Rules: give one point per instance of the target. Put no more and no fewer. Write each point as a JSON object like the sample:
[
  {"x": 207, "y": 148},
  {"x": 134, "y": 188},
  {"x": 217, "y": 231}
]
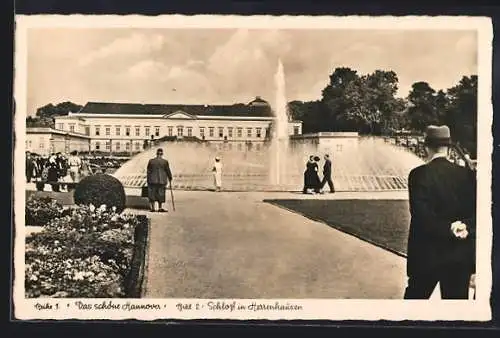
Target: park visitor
[
  {"x": 30, "y": 167},
  {"x": 441, "y": 241},
  {"x": 311, "y": 179},
  {"x": 327, "y": 174},
  {"x": 217, "y": 172},
  {"x": 75, "y": 166},
  {"x": 307, "y": 175},
  {"x": 158, "y": 176},
  {"x": 315, "y": 178}
]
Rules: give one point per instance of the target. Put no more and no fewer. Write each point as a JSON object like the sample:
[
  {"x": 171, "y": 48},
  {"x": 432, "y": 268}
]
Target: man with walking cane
[{"x": 158, "y": 176}]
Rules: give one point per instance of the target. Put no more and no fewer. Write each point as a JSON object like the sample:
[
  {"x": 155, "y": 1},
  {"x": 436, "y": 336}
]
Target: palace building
[{"x": 127, "y": 127}]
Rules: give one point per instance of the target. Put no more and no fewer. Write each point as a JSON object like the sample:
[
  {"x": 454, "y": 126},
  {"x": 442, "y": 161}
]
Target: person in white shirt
[
  {"x": 75, "y": 166},
  {"x": 217, "y": 171}
]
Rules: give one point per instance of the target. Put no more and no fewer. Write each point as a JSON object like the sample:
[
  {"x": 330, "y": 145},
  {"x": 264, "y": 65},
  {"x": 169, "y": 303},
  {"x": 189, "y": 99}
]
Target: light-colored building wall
[
  {"x": 38, "y": 143},
  {"x": 327, "y": 142},
  {"x": 45, "y": 141}
]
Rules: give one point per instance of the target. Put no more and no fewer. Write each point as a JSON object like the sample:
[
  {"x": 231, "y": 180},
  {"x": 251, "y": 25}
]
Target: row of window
[
  {"x": 72, "y": 128},
  {"x": 137, "y": 146},
  {"x": 181, "y": 131}
]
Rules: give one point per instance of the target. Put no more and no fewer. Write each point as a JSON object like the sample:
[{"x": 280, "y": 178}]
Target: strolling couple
[{"x": 312, "y": 182}]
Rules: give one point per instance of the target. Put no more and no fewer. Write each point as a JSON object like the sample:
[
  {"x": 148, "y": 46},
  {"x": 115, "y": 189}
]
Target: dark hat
[{"x": 437, "y": 136}]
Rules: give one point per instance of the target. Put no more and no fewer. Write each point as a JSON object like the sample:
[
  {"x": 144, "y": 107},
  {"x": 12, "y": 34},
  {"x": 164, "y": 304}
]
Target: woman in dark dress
[
  {"x": 53, "y": 172},
  {"x": 316, "y": 182},
  {"x": 311, "y": 178}
]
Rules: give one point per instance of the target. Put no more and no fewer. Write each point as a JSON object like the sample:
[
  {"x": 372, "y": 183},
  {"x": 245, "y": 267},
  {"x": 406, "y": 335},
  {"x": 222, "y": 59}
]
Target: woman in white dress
[{"x": 217, "y": 171}]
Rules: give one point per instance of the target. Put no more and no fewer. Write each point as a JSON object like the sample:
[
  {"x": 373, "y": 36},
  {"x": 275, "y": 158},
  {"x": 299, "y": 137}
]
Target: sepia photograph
[{"x": 227, "y": 167}]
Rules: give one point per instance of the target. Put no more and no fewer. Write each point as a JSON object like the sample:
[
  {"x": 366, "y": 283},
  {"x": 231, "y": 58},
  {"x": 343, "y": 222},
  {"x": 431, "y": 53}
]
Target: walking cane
[{"x": 172, "y": 196}]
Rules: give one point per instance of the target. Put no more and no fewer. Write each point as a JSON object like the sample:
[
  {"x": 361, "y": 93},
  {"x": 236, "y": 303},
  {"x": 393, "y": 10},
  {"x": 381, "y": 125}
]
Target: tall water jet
[{"x": 280, "y": 135}]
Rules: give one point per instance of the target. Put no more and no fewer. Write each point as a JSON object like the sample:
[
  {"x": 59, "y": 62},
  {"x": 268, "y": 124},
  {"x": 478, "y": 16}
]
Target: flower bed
[
  {"x": 41, "y": 210},
  {"x": 87, "y": 253}
]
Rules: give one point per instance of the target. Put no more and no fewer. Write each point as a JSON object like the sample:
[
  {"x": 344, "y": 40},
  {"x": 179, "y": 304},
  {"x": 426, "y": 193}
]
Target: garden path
[{"x": 233, "y": 245}]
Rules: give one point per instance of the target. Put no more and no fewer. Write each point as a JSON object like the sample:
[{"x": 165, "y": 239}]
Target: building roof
[
  {"x": 238, "y": 109},
  {"x": 71, "y": 116},
  {"x": 258, "y": 101},
  {"x": 46, "y": 130}
]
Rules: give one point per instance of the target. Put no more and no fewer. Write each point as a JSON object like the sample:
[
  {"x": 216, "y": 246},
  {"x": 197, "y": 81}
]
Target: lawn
[{"x": 384, "y": 223}]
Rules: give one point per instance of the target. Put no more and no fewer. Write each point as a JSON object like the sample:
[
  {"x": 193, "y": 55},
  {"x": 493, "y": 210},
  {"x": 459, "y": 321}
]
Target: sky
[{"x": 224, "y": 66}]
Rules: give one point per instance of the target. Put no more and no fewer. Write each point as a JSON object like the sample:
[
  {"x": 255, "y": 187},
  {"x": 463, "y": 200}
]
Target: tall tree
[
  {"x": 313, "y": 114},
  {"x": 60, "y": 109},
  {"x": 422, "y": 106},
  {"x": 334, "y": 98},
  {"x": 462, "y": 112},
  {"x": 369, "y": 103},
  {"x": 44, "y": 116}
]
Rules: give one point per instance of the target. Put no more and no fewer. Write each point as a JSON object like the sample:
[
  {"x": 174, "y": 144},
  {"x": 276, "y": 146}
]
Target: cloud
[
  {"x": 134, "y": 44},
  {"x": 147, "y": 69}
]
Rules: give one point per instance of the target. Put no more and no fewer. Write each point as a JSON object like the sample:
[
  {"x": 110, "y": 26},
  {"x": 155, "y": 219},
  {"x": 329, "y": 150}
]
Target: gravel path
[{"x": 233, "y": 245}]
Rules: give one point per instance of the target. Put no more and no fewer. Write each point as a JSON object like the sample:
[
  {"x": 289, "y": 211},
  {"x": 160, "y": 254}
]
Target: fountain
[
  {"x": 368, "y": 164},
  {"x": 279, "y": 148}
]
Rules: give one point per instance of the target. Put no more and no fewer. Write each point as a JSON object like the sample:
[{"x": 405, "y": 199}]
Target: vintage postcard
[{"x": 258, "y": 167}]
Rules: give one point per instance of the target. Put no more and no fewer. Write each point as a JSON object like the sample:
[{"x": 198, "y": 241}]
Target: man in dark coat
[
  {"x": 327, "y": 174},
  {"x": 441, "y": 242},
  {"x": 158, "y": 176},
  {"x": 30, "y": 166}
]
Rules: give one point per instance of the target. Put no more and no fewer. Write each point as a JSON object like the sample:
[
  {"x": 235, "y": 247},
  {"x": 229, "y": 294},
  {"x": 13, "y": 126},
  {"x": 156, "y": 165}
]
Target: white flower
[
  {"x": 113, "y": 208},
  {"x": 79, "y": 275},
  {"x": 126, "y": 226},
  {"x": 56, "y": 242},
  {"x": 114, "y": 218},
  {"x": 92, "y": 207},
  {"x": 102, "y": 207}
]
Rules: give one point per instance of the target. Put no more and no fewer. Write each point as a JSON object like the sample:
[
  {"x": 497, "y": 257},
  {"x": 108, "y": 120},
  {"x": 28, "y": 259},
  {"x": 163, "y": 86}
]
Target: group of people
[
  {"x": 312, "y": 182},
  {"x": 55, "y": 168}
]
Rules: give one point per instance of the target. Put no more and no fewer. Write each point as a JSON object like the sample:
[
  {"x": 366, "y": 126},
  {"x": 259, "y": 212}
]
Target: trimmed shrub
[{"x": 100, "y": 189}]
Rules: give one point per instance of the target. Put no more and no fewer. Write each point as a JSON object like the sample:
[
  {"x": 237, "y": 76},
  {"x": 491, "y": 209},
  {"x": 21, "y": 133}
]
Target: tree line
[{"x": 368, "y": 104}]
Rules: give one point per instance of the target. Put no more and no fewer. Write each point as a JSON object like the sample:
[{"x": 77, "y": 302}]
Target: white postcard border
[{"x": 325, "y": 309}]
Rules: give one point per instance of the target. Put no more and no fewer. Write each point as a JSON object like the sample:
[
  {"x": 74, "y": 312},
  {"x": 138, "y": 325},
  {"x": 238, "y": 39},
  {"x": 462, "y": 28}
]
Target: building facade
[
  {"x": 125, "y": 127},
  {"x": 44, "y": 141}
]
